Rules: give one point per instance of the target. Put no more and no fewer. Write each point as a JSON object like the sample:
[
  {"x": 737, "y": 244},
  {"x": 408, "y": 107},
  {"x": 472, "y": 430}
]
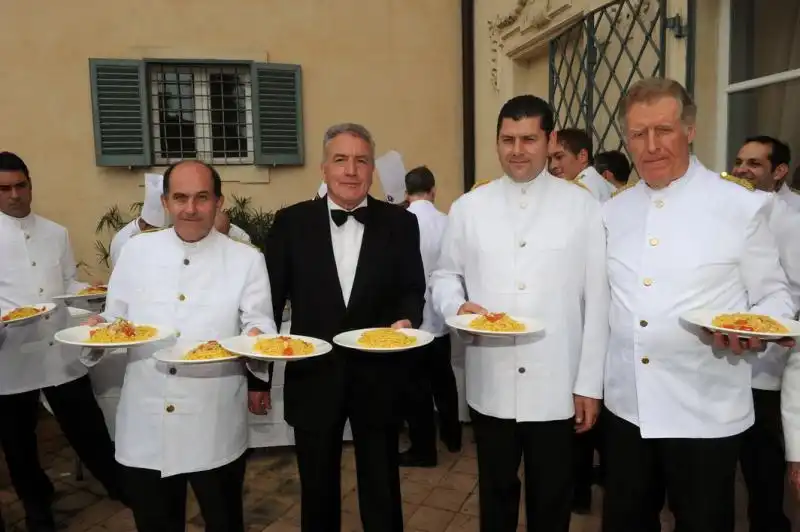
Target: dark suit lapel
[
  {"x": 321, "y": 230},
  {"x": 370, "y": 245}
]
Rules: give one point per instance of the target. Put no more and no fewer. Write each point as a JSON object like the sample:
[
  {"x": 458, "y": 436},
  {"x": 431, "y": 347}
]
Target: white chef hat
[{"x": 153, "y": 210}]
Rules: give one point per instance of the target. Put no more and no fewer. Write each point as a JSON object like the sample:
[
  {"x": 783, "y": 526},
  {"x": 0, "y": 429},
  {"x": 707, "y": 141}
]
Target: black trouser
[
  {"x": 319, "y": 461},
  {"x": 547, "y": 449},
  {"x": 764, "y": 465},
  {"x": 432, "y": 381},
  {"x": 81, "y": 420},
  {"x": 159, "y": 504},
  {"x": 585, "y": 445},
  {"x": 698, "y": 476}
]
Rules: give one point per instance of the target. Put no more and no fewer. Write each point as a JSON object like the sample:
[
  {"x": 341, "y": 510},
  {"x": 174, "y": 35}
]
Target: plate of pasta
[
  {"x": 119, "y": 333},
  {"x": 196, "y": 353},
  {"x": 383, "y": 339},
  {"x": 744, "y": 324},
  {"x": 495, "y": 324},
  {"x": 277, "y": 347},
  {"x": 90, "y": 293},
  {"x": 25, "y": 313}
]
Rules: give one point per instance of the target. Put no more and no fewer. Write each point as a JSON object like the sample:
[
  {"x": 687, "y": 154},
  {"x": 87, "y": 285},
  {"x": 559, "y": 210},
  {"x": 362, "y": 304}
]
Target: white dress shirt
[
  {"x": 181, "y": 419},
  {"x": 598, "y": 185},
  {"x": 534, "y": 250},
  {"x": 122, "y": 236},
  {"x": 789, "y": 196},
  {"x": 346, "y": 240},
  {"x": 36, "y": 264},
  {"x": 237, "y": 233},
  {"x": 700, "y": 243},
  {"x": 432, "y": 224}
]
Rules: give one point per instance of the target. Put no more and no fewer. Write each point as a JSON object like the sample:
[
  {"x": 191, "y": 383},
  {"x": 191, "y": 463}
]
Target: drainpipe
[{"x": 468, "y": 90}]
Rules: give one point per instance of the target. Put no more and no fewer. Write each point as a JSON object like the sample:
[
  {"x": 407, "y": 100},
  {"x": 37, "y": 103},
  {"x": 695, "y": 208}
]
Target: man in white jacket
[
  {"x": 532, "y": 245},
  {"x": 571, "y": 159},
  {"x": 179, "y": 424},
  {"x": 152, "y": 216}
]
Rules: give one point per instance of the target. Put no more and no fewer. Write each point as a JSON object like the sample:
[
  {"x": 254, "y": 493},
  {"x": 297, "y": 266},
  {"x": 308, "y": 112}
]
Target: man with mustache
[
  {"x": 528, "y": 244},
  {"x": 677, "y": 398},
  {"x": 36, "y": 264},
  {"x": 187, "y": 424}
]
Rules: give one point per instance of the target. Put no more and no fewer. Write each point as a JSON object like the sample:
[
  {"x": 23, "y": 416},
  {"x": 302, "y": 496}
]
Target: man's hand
[
  {"x": 259, "y": 403},
  {"x": 739, "y": 345},
  {"x": 255, "y": 331},
  {"x": 92, "y": 321},
  {"x": 586, "y": 411},
  {"x": 401, "y": 324},
  {"x": 471, "y": 308},
  {"x": 794, "y": 477}
]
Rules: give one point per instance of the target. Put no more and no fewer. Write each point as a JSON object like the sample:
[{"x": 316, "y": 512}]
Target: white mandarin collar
[
  {"x": 526, "y": 186},
  {"x": 194, "y": 248},
  {"x": 334, "y": 207},
  {"x": 677, "y": 184},
  {"x": 25, "y": 223},
  {"x": 421, "y": 206}
]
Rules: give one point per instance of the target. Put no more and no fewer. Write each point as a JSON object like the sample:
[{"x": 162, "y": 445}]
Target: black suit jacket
[{"x": 389, "y": 285}]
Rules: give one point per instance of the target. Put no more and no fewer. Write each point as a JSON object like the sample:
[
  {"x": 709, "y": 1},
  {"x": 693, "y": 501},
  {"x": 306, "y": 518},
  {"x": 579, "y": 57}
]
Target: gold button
[
  {"x": 643, "y": 323},
  {"x": 653, "y": 241},
  {"x": 523, "y": 205},
  {"x": 645, "y": 360},
  {"x": 659, "y": 204},
  {"x": 170, "y": 408},
  {"x": 648, "y": 282},
  {"x": 182, "y": 297},
  {"x": 33, "y": 263},
  {"x": 177, "y": 334},
  {"x": 521, "y": 286}
]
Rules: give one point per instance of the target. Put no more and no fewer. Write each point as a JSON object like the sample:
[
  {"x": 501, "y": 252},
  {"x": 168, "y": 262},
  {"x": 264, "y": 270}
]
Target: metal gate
[{"x": 593, "y": 63}]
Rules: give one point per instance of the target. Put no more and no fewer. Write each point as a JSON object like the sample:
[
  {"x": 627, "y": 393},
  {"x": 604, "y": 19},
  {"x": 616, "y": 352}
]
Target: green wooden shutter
[
  {"x": 120, "y": 110},
  {"x": 278, "y": 114}
]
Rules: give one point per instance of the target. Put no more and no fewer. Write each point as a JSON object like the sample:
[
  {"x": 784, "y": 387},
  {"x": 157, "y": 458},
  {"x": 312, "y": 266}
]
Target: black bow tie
[{"x": 339, "y": 217}]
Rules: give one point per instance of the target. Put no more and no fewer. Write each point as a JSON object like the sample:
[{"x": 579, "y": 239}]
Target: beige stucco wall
[
  {"x": 393, "y": 65},
  {"x": 515, "y": 60}
]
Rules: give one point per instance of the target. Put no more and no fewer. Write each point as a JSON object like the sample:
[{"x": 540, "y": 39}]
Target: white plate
[
  {"x": 79, "y": 335},
  {"x": 462, "y": 322},
  {"x": 349, "y": 340},
  {"x": 48, "y": 309},
  {"x": 174, "y": 355},
  {"x": 243, "y": 345},
  {"x": 704, "y": 317},
  {"x": 69, "y": 299}
]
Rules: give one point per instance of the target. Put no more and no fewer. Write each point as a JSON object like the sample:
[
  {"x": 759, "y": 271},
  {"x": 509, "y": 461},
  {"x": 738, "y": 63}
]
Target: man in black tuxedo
[{"x": 347, "y": 262}]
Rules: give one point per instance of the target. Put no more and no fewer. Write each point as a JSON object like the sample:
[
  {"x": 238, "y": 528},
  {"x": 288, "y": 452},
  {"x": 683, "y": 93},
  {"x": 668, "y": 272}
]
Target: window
[
  {"x": 158, "y": 112},
  {"x": 762, "y": 81}
]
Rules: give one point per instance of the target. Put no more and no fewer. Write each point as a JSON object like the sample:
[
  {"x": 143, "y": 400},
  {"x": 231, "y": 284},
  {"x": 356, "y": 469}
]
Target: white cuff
[
  {"x": 259, "y": 368},
  {"x": 90, "y": 356}
]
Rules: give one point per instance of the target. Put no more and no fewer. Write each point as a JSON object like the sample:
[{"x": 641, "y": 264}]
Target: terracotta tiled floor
[{"x": 434, "y": 500}]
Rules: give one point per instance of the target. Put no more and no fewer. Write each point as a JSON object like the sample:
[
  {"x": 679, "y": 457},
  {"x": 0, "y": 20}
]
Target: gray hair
[
  {"x": 650, "y": 89},
  {"x": 348, "y": 128}
]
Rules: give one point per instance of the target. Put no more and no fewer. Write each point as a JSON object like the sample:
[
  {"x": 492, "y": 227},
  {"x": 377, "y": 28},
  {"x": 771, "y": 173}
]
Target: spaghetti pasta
[
  {"x": 93, "y": 290},
  {"x": 121, "y": 331},
  {"x": 208, "y": 351},
  {"x": 22, "y": 312},
  {"x": 741, "y": 321},
  {"x": 496, "y": 322},
  {"x": 283, "y": 346},
  {"x": 385, "y": 338}
]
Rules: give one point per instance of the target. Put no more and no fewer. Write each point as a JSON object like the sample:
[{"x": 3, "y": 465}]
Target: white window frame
[
  {"x": 202, "y": 113},
  {"x": 725, "y": 88}
]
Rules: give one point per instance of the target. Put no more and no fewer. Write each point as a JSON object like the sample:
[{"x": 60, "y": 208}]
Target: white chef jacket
[
  {"x": 701, "y": 242},
  {"x": 122, "y": 236},
  {"x": 36, "y": 264},
  {"x": 536, "y": 250},
  {"x": 789, "y": 196},
  {"x": 181, "y": 419},
  {"x": 237, "y": 233},
  {"x": 432, "y": 224},
  {"x": 598, "y": 185},
  {"x": 784, "y": 223}
]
